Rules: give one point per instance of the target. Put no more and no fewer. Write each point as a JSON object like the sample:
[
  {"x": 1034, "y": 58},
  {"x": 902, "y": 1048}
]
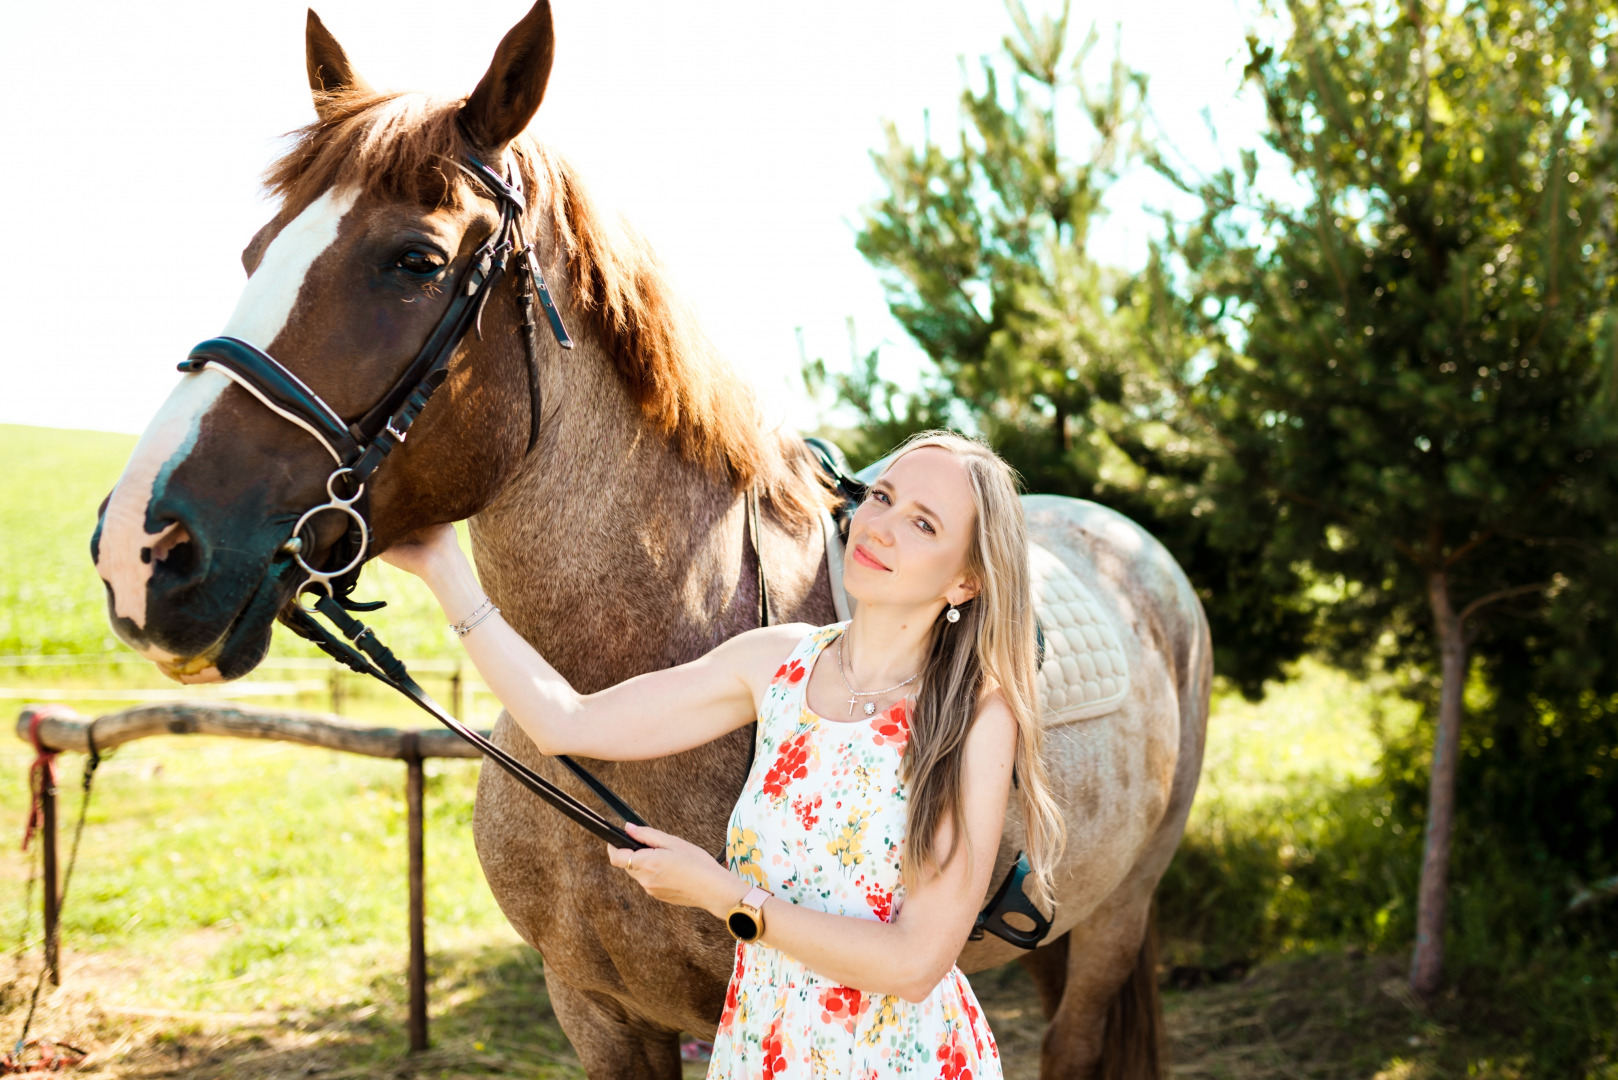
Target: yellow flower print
[
  {"x": 848, "y": 845},
  {"x": 885, "y": 1015},
  {"x": 742, "y": 853}
]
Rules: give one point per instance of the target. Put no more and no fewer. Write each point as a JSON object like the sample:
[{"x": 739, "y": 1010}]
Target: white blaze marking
[
  {"x": 168, "y": 438},
  {"x": 260, "y": 316},
  {"x": 267, "y": 301}
]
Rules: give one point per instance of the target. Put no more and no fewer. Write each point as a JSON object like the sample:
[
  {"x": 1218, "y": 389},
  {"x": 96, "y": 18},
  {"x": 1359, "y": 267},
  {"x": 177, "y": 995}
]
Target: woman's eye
[
  {"x": 421, "y": 263},
  {"x": 880, "y": 496},
  {"x": 925, "y": 525}
]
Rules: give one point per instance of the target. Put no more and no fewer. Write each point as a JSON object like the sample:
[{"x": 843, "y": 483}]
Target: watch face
[{"x": 742, "y": 925}]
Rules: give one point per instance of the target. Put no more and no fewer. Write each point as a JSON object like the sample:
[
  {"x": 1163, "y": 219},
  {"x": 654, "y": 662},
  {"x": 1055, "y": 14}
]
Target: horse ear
[
  {"x": 329, "y": 70},
  {"x": 508, "y": 95}
]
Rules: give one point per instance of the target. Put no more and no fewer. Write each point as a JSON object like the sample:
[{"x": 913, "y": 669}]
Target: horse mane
[{"x": 402, "y": 147}]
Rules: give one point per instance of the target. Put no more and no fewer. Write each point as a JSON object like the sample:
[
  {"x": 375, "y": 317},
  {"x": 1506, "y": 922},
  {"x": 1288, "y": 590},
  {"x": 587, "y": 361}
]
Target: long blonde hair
[{"x": 993, "y": 645}]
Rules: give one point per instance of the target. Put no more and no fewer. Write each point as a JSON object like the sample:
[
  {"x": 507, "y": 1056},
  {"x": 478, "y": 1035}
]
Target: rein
[{"x": 359, "y": 448}]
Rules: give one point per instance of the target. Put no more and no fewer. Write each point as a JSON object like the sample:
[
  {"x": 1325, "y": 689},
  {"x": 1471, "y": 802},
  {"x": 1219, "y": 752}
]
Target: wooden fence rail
[
  {"x": 335, "y": 682},
  {"x": 62, "y": 729}
]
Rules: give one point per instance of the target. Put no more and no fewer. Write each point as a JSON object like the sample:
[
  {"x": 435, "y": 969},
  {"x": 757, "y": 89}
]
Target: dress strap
[{"x": 785, "y": 698}]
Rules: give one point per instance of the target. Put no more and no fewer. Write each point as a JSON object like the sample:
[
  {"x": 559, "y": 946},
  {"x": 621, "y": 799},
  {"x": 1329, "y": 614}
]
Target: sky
[{"x": 736, "y": 136}]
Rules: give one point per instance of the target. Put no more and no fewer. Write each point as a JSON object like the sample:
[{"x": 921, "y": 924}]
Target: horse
[{"x": 608, "y": 509}]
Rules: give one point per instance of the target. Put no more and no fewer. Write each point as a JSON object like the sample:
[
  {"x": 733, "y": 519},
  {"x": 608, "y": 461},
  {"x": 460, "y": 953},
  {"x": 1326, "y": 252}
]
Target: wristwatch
[{"x": 746, "y": 919}]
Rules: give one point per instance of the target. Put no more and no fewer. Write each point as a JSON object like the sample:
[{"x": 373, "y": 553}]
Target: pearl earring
[{"x": 952, "y": 614}]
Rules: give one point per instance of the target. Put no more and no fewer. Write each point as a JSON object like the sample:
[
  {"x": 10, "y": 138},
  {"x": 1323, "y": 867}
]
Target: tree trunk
[{"x": 1427, "y": 964}]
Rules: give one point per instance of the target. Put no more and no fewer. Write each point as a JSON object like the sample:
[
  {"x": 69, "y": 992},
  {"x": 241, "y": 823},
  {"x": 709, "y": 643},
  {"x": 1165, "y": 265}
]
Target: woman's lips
[{"x": 865, "y": 558}]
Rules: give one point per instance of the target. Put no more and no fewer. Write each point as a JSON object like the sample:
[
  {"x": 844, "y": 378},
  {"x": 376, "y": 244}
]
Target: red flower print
[
  {"x": 893, "y": 727},
  {"x": 775, "y": 1060},
  {"x": 808, "y": 812},
  {"x": 881, "y": 901},
  {"x": 792, "y": 763},
  {"x": 971, "y": 1011},
  {"x": 841, "y": 1005},
  {"x": 731, "y": 992},
  {"x": 790, "y": 673},
  {"x": 953, "y": 1056}
]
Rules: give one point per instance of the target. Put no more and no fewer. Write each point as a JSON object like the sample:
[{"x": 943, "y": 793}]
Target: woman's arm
[
  {"x": 906, "y": 957},
  {"x": 651, "y": 715}
]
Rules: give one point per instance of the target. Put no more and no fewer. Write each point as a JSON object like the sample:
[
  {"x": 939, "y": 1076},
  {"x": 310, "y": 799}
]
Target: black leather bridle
[{"x": 358, "y": 448}]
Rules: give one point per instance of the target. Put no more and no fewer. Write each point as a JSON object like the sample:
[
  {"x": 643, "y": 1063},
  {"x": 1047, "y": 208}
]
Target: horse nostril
[{"x": 174, "y": 552}]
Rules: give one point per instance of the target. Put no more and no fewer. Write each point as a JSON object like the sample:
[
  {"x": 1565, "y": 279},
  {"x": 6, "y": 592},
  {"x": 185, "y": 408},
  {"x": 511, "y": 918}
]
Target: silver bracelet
[{"x": 479, "y": 613}]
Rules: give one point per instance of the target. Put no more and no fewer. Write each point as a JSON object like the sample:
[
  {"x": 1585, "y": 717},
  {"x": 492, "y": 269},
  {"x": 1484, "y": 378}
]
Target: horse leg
[
  {"x": 612, "y": 1044},
  {"x": 1047, "y": 966},
  {"x": 1108, "y": 1022}
]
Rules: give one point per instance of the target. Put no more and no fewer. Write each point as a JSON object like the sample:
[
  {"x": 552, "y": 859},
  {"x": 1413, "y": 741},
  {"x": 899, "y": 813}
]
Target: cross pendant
[{"x": 851, "y": 703}]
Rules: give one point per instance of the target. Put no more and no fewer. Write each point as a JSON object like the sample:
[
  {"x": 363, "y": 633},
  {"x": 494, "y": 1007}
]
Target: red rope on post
[{"x": 41, "y": 776}]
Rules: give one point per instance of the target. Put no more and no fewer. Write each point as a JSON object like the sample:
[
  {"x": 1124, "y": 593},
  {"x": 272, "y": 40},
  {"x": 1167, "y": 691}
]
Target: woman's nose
[{"x": 880, "y": 529}]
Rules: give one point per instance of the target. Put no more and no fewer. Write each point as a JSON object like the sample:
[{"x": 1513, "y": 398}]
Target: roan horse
[{"x": 616, "y": 546}]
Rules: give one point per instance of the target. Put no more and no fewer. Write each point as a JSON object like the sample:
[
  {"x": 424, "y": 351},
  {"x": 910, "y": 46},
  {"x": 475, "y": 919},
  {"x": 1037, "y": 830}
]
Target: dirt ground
[{"x": 1330, "y": 1017}]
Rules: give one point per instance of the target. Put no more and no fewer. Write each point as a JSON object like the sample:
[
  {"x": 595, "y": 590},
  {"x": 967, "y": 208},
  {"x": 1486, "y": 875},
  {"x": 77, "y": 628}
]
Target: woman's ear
[{"x": 963, "y": 590}]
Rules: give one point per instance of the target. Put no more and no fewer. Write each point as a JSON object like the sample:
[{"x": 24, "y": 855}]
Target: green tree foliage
[
  {"x": 1417, "y": 366},
  {"x": 983, "y": 246}
]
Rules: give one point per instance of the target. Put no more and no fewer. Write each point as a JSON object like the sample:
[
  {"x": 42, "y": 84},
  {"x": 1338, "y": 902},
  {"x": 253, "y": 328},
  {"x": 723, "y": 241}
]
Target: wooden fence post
[
  {"x": 411, "y": 751},
  {"x": 457, "y": 702},
  {"x": 47, "y": 837},
  {"x": 337, "y": 691}
]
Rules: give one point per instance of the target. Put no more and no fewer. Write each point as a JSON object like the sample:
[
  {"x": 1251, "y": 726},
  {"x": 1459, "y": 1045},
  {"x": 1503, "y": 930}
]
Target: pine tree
[
  {"x": 1419, "y": 362},
  {"x": 984, "y": 246}
]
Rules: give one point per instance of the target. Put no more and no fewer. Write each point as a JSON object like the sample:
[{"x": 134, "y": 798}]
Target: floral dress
[{"x": 821, "y": 822}]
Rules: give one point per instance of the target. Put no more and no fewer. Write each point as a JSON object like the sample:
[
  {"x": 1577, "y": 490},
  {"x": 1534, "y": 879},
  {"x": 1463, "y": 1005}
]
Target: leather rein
[{"x": 358, "y": 448}]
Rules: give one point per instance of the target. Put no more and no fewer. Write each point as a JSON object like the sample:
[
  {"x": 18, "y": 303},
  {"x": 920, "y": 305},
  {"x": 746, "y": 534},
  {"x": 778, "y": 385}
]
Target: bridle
[{"x": 358, "y": 448}]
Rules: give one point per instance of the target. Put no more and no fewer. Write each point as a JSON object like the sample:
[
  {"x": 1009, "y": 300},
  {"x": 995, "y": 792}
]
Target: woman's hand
[
  {"x": 424, "y": 552},
  {"x": 676, "y": 871}
]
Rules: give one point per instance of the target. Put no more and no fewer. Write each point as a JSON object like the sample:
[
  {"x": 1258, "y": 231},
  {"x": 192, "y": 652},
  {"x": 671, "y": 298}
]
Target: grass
[
  {"x": 239, "y": 908},
  {"x": 52, "y": 604}
]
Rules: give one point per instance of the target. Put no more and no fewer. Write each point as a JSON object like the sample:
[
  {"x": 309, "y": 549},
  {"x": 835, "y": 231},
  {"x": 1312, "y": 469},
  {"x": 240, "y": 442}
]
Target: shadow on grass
[{"x": 489, "y": 1016}]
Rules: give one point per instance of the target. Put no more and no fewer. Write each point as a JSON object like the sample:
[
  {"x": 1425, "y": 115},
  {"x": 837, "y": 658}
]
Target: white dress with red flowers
[{"x": 821, "y": 822}]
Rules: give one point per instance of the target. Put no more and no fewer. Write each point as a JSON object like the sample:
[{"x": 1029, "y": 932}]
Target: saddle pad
[{"x": 1086, "y": 673}]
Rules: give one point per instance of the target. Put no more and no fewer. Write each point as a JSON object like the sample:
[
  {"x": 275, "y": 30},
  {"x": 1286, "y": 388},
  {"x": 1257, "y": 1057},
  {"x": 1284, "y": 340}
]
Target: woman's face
[{"x": 908, "y": 542}]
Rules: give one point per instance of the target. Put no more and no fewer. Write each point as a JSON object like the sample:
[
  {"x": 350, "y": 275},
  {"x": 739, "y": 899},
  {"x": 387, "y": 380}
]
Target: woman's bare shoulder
[
  {"x": 994, "y": 718},
  {"x": 763, "y": 648}
]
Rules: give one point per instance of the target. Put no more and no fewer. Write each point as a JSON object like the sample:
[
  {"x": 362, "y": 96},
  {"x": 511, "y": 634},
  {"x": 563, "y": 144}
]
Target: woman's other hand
[
  {"x": 676, "y": 871},
  {"x": 424, "y": 552}
]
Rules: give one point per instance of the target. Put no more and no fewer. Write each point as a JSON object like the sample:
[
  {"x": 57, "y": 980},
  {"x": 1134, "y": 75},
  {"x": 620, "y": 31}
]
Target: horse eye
[{"x": 425, "y": 263}]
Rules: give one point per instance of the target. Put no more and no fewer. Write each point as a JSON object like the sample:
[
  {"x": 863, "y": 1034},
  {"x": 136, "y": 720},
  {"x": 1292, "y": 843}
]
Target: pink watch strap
[{"x": 755, "y": 897}]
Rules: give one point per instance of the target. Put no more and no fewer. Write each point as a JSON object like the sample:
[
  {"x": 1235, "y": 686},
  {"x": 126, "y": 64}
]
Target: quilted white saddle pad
[{"x": 1086, "y": 673}]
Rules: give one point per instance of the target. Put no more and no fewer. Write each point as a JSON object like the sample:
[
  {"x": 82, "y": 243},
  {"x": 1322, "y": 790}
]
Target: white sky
[{"x": 735, "y": 135}]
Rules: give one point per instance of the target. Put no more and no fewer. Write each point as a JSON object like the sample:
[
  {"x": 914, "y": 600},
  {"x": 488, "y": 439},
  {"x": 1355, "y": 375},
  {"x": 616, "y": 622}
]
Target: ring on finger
[{"x": 629, "y": 861}]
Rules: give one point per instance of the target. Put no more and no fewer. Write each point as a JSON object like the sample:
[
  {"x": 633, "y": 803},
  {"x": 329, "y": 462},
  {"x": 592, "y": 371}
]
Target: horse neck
[{"x": 613, "y": 554}]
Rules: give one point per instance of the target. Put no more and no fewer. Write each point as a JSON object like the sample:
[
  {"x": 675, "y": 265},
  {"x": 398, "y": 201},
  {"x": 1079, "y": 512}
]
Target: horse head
[{"x": 374, "y": 235}]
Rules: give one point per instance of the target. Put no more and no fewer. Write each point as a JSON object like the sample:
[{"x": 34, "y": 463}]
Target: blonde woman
[{"x": 863, "y": 842}]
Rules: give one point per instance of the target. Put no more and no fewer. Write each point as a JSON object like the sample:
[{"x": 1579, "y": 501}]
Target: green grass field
[{"x": 239, "y": 908}]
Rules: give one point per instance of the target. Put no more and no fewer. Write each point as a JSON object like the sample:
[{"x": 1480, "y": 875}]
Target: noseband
[{"x": 357, "y": 448}]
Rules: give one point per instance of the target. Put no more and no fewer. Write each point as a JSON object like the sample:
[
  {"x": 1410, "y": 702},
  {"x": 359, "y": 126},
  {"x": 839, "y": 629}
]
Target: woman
[{"x": 864, "y": 839}]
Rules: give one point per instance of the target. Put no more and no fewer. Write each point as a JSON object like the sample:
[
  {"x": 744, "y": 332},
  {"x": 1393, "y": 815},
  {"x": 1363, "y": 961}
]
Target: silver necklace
[{"x": 853, "y": 694}]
